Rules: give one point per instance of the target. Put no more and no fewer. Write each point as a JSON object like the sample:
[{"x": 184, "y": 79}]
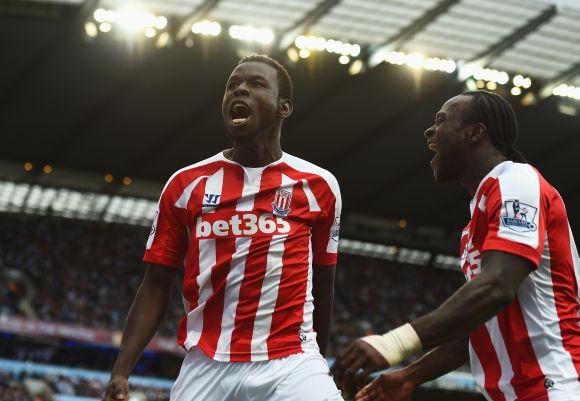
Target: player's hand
[
  {"x": 390, "y": 386},
  {"x": 117, "y": 389},
  {"x": 346, "y": 370}
]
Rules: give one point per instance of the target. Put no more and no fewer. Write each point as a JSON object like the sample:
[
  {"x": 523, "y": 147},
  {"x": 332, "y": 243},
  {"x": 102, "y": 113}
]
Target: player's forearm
[
  {"x": 323, "y": 292},
  {"x": 147, "y": 311},
  {"x": 443, "y": 359},
  {"x": 470, "y": 307}
]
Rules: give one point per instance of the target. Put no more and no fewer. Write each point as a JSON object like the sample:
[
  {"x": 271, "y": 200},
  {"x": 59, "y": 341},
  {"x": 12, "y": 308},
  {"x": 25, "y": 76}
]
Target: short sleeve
[
  {"x": 516, "y": 215},
  {"x": 326, "y": 229},
  {"x": 167, "y": 242}
]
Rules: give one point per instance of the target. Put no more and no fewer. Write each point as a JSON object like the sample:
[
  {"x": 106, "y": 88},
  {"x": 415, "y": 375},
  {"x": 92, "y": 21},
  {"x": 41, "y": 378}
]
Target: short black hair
[
  {"x": 499, "y": 118},
  {"x": 284, "y": 80}
]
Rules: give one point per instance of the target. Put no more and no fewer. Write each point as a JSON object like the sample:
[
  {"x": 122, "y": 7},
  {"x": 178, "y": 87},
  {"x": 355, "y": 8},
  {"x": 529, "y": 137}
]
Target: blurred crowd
[
  {"x": 87, "y": 272},
  {"x": 13, "y": 387}
]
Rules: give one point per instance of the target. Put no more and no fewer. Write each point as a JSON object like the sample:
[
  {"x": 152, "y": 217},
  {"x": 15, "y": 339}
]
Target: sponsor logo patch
[
  {"x": 519, "y": 216},
  {"x": 241, "y": 224}
]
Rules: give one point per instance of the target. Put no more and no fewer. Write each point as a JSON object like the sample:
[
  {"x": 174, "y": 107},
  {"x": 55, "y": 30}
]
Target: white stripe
[
  {"x": 478, "y": 373},
  {"x": 237, "y": 270},
  {"x": 482, "y": 203},
  {"x": 268, "y": 296},
  {"x": 306, "y": 328},
  {"x": 232, "y": 297},
  {"x": 312, "y": 203},
  {"x": 183, "y": 199},
  {"x": 507, "y": 372},
  {"x": 207, "y": 260},
  {"x": 213, "y": 186},
  {"x": 520, "y": 183},
  {"x": 249, "y": 191},
  {"x": 536, "y": 295}
]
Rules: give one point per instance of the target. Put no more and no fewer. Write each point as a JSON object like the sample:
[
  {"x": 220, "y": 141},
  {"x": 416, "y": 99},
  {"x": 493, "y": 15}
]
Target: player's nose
[{"x": 429, "y": 132}]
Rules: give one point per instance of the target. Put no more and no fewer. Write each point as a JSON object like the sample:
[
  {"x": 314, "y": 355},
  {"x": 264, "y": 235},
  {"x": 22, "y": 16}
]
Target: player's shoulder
[
  {"x": 310, "y": 168},
  {"x": 187, "y": 174},
  {"x": 522, "y": 176}
]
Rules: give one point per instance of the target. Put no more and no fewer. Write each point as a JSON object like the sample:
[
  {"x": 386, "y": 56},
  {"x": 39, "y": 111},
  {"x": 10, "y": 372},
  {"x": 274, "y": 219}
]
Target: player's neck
[
  {"x": 252, "y": 152},
  {"x": 479, "y": 167}
]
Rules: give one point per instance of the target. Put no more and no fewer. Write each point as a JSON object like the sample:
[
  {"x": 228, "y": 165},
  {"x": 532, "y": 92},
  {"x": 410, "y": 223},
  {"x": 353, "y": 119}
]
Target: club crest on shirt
[
  {"x": 519, "y": 216},
  {"x": 281, "y": 204}
]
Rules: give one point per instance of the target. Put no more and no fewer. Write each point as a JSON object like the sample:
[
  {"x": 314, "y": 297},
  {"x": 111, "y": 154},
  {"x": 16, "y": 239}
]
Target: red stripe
[
  {"x": 284, "y": 338},
  {"x": 528, "y": 379},
  {"x": 327, "y": 201},
  {"x": 255, "y": 271},
  {"x": 483, "y": 348},
  {"x": 225, "y": 248},
  {"x": 564, "y": 281}
]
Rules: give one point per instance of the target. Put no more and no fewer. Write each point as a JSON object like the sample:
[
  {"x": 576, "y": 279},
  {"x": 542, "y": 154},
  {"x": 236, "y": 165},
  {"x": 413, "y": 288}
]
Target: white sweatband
[{"x": 397, "y": 344}]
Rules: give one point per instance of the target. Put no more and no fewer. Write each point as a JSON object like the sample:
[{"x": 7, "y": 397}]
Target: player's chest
[
  {"x": 235, "y": 208},
  {"x": 472, "y": 239}
]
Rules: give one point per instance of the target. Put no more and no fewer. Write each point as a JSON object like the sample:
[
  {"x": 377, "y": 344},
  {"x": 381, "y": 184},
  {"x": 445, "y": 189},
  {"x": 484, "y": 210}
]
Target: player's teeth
[
  {"x": 433, "y": 147},
  {"x": 237, "y": 121}
]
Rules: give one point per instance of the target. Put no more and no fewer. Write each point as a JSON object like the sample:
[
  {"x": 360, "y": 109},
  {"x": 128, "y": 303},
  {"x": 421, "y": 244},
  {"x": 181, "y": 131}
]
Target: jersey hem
[
  {"x": 263, "y": 356},
  {"x": 162, "y": 261}
]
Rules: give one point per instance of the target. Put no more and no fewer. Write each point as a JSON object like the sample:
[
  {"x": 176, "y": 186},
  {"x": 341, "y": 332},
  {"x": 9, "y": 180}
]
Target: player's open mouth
[
  {"x": 239, "y": 112},
  {"x": 432, "y": 147}
]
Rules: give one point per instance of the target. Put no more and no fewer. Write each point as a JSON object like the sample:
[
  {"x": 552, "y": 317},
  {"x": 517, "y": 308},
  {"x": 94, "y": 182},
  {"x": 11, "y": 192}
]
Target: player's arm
[
  {"x": 323, "y": 293},
  {"x": 149, "y": 307},
  {"x": 400, "y": 384},
  {"x": 475, "y": 302},
  {"x": 471, "y": 306}
]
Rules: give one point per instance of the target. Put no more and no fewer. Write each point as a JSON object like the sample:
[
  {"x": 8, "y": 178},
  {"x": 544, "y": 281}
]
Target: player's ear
[
  {"x": 285, "y": 108},
  {"x": 476, "y": 133}
]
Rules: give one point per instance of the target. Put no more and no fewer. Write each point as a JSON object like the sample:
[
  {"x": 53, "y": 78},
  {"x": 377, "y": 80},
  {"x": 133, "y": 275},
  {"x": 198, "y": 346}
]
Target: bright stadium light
[
  {"x": 105, "y": 27},
  {"x": 356, "y": 67},
  {"x": 516, "y": 91},
  {"x": 292, "y": 54},
  {"x": 150, "y": 32},
  {"x": 252, "y": 34},
  {"x": 415, "y": 60},
  {"x": 344, "y": 59},
  {"x": 100, "y": 15},
  {"x": 91, "y": 29},
  {"x": 318, "y": 43},
  {"x": 304, "y": 53},
  {"x": 206, "y": 28},
  {"x": 160, "y": 22},
  {"x": 569, "y": 91}
]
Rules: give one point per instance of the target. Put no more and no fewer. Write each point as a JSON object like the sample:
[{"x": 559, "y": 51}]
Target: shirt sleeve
[
  {"x": 516, "y": 216},
  {"x": 326, "y": 229},
  {"x": 167, "y": 242}
]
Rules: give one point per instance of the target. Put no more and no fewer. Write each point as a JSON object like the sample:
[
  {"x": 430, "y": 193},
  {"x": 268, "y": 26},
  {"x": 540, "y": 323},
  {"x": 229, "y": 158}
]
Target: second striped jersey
[{"x": 530, "y": 351}]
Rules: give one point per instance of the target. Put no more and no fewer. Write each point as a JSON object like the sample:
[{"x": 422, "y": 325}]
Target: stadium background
[{"x": 100, "y": 101}]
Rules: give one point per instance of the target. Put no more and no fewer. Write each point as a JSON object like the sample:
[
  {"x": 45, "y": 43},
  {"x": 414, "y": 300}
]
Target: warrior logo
[{"x": 281, "y": 204}]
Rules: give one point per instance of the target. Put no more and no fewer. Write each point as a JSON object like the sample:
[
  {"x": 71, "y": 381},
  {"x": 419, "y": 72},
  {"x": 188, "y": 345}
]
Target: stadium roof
[{"x": 79, "y": 96}]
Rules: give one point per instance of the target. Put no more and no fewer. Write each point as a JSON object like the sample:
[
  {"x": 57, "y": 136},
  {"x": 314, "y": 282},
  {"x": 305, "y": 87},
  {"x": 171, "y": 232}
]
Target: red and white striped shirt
[
  {"x": 249, "y": 238},
  {"x": 530, "y": 351}
]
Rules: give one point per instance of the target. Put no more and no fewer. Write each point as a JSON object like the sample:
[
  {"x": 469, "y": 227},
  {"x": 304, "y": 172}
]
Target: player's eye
[
  {"x": 258, "y": 84},
  {"x": 231, "y": 85}
]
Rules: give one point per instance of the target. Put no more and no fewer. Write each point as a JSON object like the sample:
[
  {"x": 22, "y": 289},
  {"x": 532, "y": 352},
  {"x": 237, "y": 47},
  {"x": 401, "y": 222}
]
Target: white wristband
[{"x": 397, "y": 344}]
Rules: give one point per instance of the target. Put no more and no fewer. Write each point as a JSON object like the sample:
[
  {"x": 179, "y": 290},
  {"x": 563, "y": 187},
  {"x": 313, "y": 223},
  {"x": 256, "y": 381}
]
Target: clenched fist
[
  {"x": 117, "y": 389},
  {"x": 358, "y": 355}
]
